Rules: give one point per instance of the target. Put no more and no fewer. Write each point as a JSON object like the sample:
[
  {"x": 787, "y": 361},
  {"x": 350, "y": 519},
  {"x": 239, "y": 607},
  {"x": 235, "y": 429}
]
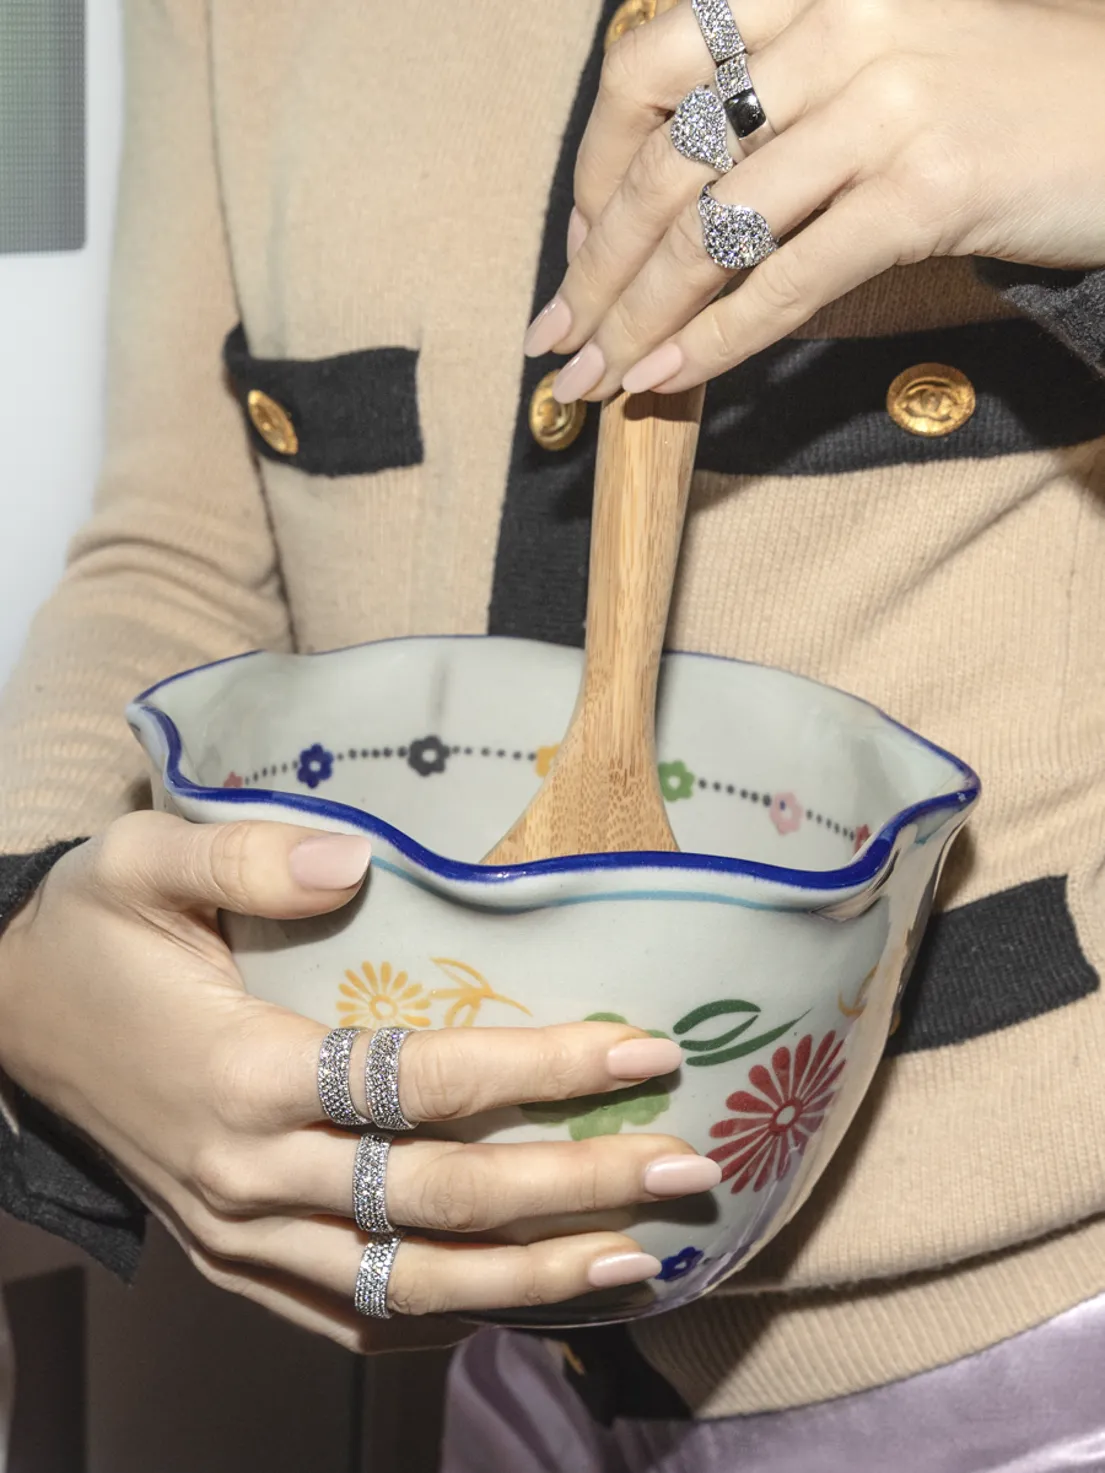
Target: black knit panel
[{"x": 996, "y": 962}]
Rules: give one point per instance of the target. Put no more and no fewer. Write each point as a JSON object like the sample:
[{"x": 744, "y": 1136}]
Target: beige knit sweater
[{"x": 336, "y": 179}]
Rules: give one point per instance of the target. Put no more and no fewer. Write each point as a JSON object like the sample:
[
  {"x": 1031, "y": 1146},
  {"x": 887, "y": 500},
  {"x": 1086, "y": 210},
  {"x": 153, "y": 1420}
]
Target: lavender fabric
[{"x": 1034, "y": 1404}]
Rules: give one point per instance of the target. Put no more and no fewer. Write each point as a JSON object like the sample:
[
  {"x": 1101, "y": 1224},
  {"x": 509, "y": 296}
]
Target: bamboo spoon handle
[{"x": 602, "y": 793}]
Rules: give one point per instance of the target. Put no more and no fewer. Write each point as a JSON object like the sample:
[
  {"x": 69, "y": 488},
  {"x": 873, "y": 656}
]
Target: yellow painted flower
[
  {"x": 544, "y": 760},
  {"x": 384, "y": 1000},
  {"x": 469, "y": 995}
]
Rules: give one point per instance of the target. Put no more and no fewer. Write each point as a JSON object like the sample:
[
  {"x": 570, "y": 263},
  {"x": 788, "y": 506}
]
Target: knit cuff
[
  {"x": 1070, "y": 304},
  {"x": 49, "y": 1175}
]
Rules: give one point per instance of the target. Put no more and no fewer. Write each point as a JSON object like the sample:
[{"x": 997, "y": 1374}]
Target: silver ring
[
  {"x": 738, "y": 97},
  {"x": 698, "y": 130},
  {"x": 370, "y": 1179},
  {"x": 381, "y": 1079},
  {"x": 370, "y": 1294},
  {"x": 735, "y": 236},
  {"x": 719, "y": 29},
  {"x": 333, "y": 1078}
]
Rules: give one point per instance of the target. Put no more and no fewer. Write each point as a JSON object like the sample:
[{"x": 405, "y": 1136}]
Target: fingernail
[
  {"x": 547, "y": 328},
  {"x": 661, "y": 364},
  {"x": 622, "y": 1268},
  {"x": 579, "y": 375},
  {"x": 578, "y": 230},
  {"x": 641, "y": 1058},
  {"x": 330, "y": 861},
  {"x": 680, "y": 1176}
]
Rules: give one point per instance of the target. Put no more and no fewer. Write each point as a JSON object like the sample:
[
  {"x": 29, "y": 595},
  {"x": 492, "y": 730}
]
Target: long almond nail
[
  {"x": 579, "y": 375},
  {"x": 578, "y": 231},
  {"x": 655, "y": 368},
  {"x": 330, "y": 861},
  {"x": 552, "y": 323},
  {"x": 622, "y": 1268},
  {"x": 681, "y": 1176},
  {"x": 641, "y": 1058}
]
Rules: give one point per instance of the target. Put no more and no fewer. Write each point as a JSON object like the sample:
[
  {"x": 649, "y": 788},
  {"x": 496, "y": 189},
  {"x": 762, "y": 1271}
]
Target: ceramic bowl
[{"x": 772, "y": 946}]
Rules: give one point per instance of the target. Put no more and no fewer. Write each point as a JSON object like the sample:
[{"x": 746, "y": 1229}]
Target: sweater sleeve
[
  {"x": 175, "y": 568},
  {"x": 1070, "y": 304}
]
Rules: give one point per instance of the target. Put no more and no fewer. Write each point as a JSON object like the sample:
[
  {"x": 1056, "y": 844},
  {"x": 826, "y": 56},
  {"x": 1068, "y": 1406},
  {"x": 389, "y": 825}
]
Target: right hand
[{"x": 121, "y": 1008}]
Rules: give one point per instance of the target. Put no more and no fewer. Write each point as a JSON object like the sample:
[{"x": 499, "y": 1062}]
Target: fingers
[
  {"x": 445, "y": 1186},
  {"x": 434, "y": 1278},
  {"x": 263, "y": 869},
  {"x": 786, "y": 181},
  {"x": 643, "y": 78},
  {"x": 849, "y": 244},
  {"x": 798, "y": 72}
]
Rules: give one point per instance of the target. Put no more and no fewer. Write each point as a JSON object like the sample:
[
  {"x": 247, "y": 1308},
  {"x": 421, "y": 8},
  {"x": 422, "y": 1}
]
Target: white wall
[{"x": 52, "y": 312}]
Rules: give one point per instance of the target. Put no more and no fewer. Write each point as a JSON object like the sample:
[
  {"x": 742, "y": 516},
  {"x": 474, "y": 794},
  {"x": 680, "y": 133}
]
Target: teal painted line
[{"x": 685, "y": 895}]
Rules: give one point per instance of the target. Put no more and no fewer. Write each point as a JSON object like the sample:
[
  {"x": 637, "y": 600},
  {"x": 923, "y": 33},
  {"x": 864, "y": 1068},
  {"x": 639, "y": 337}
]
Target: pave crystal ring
[
  {"x": 735, "y": 236},
  {"x": 370, "y": 1179},
  {"x": 333, "y": 1078},
  {"x": 698, "y": 130},
  {"x": 370, "y": 1296},
  {"x": 719, "y": 29},
  {"x": 381, "y": 1078},
  {"x": 738, "y": 97}
]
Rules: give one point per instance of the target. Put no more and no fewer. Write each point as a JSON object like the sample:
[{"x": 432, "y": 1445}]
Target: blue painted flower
[
  {"x": 315, "y": 765},
  {"x": 679, "y": 1264}
]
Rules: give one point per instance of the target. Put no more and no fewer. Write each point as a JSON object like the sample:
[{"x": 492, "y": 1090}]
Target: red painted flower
[
  {"x": 863, "y": 833},
  {"x": 232, "y": 780},
  {"x": 785, "y": 813},
  {"x": 769, "y": 1128}
]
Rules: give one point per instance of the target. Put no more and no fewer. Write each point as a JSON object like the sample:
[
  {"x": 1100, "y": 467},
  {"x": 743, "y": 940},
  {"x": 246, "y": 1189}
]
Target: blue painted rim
[{"x": 861, "y": 872}]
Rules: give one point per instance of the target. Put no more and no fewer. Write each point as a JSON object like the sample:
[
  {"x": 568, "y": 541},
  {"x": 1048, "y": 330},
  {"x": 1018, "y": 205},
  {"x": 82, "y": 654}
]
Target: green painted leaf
[
  {"x": 715, "y": 1010},
  {"x": 749, "y": 1046},
  {"x": 605, "y": 1114}
]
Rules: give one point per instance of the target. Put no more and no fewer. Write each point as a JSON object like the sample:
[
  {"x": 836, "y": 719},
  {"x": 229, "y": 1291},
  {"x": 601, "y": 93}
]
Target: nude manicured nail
[
  {"x": 655, "y": 368},
  {"x": 578, "y": 230},
  {"x": 681, "y": 1176},
  {"x": 641, "y": 1058},
  {"x": 579, "y": 375},
  {"x": 551, "y": 324},
  {"x": 622, "y": 1268},
  {"x": 330, "y": 861}
]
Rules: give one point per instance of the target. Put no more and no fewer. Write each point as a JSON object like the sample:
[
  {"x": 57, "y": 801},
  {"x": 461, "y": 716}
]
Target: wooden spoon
[{"x": 602, "y": 793}]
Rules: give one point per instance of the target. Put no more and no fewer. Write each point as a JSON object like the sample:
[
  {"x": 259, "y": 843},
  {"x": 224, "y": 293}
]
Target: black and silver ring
[
  {"x": 333, "y": 1078},
  {"x": 370, "y": 1184},
  {"x": 738, "y": 97},
  {"x": 719, "y": 29}
]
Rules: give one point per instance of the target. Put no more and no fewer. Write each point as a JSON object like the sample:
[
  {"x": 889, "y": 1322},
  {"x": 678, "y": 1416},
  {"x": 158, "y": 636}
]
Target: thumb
[{"x": 276, "y": 870}]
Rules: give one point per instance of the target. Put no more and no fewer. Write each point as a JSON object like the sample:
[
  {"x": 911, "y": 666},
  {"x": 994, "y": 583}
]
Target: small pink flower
[
  {"x": 786, "y": 812},
  {"x": 232, "y": 780},
  {"x": 863, "y": 833}
]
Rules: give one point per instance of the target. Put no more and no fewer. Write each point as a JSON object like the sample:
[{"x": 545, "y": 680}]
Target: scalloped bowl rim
[{"x": 863, "y": 869}]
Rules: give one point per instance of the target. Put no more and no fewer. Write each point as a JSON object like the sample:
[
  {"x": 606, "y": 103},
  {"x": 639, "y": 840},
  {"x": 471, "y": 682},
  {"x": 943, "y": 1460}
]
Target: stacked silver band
[
  {"x": 370, "y": 1296},
  {"x": 719, "y": 29},
  {"x": 698, "y": 130},
  {"x": 370, "y": 1174},
  {"x": 738, "y": 97},
  {"x": 333, "y": 1078},
  {"x": 735, "y": 236},
  {"x": 381, "y": 1077}
]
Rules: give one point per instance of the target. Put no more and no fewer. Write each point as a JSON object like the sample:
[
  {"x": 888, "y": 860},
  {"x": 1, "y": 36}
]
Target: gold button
[
  {"x": 628, "y": 15},
  {"x": 931, "y": 399},
  {"x": 554, "y": 425},
  {"x": 272, "y": 422}
]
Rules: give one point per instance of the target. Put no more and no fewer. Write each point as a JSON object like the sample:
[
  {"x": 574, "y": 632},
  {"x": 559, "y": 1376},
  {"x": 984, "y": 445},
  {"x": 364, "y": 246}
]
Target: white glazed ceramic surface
[{"x": 811, "y": 829}]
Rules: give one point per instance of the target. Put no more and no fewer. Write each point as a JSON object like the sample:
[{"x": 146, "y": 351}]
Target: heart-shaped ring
[{"x": 698, "y": 130}]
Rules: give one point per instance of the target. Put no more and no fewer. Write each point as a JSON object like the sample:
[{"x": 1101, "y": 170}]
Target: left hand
[{"x": 901, "y": 131}]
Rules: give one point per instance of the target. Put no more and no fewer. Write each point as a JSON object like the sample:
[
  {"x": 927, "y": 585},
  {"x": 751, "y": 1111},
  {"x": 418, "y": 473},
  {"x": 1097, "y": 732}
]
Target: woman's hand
[
  {"x": 896, "y": 132},
  {"x": 121, "y": 1008}
]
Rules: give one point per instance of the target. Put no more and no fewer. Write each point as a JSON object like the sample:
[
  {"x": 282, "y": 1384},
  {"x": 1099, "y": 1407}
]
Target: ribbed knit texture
[{"x": 338, "y": 185}]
